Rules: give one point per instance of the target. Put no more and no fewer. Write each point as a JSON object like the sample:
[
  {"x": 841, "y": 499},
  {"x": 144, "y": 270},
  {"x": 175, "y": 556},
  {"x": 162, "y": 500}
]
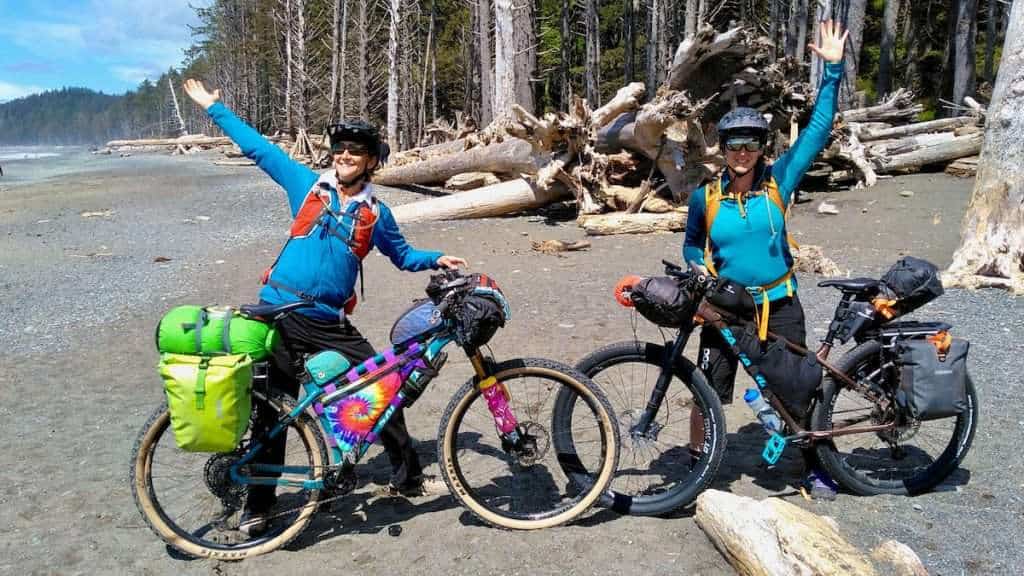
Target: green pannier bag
[
  {"x": 213, "y": 330},
  {"x": 209, "y": 399}
]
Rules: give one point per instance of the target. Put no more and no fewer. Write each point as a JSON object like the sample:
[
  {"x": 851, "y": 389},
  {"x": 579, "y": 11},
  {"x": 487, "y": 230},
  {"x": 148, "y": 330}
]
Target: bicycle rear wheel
[
  {"x": 534, "y": 488},
  {"x": 189, "y": 500},
  {"x": 656, "y": 474},
  {"x": 911, "y": 459}
]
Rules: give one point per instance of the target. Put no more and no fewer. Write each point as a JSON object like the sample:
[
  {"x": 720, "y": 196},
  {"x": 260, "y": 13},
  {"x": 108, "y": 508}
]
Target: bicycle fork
[
  {"x": 645, "y": 425},
  {"x": 497, "y": 396}
]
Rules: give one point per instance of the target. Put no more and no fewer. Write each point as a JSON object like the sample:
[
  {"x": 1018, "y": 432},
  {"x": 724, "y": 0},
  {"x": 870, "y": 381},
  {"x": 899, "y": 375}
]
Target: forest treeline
[{"x": 289, "y": 64}]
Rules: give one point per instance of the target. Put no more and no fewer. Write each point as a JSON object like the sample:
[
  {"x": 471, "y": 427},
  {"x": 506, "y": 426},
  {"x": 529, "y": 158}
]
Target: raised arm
[
  {"x": 789, "y": 169},
  {"x": 293, "y": 176}
]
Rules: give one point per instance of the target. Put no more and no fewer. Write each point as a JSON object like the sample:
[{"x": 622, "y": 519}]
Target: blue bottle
[{"x": 769, "y": 419}]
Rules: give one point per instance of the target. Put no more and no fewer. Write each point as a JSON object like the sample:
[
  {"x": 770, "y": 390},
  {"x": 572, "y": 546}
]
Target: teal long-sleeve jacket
[{"x": 750, "y": 246}]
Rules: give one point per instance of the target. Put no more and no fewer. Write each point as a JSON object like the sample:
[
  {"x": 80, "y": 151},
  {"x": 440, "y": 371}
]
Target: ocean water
[
  {"x": 29, "y": 164},
  {"x": 29, "y": 152}
]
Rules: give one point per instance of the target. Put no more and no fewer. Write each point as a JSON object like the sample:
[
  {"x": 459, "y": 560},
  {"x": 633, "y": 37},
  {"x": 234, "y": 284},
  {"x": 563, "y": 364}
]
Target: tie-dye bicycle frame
[{"x": 355, "y": 406}]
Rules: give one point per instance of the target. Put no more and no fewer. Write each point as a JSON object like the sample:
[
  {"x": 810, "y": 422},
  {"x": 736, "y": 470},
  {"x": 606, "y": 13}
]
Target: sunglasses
[
  {"x": 353, "y": 148},
  {"x": 748, "y": 144}
]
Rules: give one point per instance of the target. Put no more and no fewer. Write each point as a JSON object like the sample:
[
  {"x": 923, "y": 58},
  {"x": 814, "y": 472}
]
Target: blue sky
[{"x": 107, "y": 45}]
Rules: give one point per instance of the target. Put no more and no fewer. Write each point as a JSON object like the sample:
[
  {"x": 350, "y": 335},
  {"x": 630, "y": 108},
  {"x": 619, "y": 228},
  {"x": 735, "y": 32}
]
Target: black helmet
[
  {"x": 744, "y": 121},
  {"x": 362, "y": 132}
]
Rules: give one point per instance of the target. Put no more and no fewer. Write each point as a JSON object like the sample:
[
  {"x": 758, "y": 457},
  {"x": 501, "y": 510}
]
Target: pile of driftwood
[
  {"x": 631, "y": 163},
  {"x": 883, "y": 139}
]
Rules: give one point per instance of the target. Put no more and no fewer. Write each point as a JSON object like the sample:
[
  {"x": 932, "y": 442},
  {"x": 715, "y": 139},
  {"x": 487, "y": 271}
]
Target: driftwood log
[
  {"x": 898, "y": 106},
  {"x": 964, "y": 167},
  {"x": 499, "y": 199},
  {"x": 513, "y": 157},
  {"x": 471, "y": 180},
  {"x": 188, "y": 140},
  {"x": 774, "y": 537},
  {"x": 957, "y": 147},
  {"x": 623, "y": 223}
]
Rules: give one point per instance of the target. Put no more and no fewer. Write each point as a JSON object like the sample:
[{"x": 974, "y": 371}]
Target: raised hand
[
  {"x": 198, "y": 93},
  {"x": 833, "y": 40}
]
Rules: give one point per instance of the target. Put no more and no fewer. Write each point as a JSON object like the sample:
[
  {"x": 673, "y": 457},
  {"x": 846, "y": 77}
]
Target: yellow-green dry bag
[{"x": 209, "y": 399}]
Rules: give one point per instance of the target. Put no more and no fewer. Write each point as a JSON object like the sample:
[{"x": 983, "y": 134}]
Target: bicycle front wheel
[
  {"x": 190, "y": 501},
  {"x": 913, "y": 457},
  {"x": 532, "y": 488},
  {"x": 657, "y": 474}
]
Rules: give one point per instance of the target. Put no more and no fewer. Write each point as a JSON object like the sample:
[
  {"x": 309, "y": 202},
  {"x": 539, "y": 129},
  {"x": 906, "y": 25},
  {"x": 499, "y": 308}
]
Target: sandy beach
[{"x": 93, "y": 249}]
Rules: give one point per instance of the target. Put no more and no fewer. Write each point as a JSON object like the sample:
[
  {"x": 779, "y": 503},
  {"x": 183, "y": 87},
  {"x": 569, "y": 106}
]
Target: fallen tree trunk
[
  {"x": 899, "y": 106},
  {"x": 419, "y": 154},
  {"x": 896, "y": 132},
  {"x": 471, "y": 181},
  {"x": 964, "y": 167},
  {"x": 623, "y": 223},
  {"x": 497, "y": 200},
  {"x": 191, "y": 140},
  {"x": 700, "y": 48},
  {"x": 513, "y": 156},
  {"x": 959, "y": 147},
  {"x": 881, "y": 148},
  {"x": 774, "y": 537}
]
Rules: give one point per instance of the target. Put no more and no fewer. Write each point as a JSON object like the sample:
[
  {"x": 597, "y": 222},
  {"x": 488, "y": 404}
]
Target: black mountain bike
[{"x": 856, "y": 420}]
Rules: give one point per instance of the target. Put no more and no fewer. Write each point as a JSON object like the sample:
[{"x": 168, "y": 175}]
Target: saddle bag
[{"x": 209, "y": 398}]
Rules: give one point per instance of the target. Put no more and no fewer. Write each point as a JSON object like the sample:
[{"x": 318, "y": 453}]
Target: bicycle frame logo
[
  {"x": 776, "y": 443},
  {"x": 731, "y": 341}
]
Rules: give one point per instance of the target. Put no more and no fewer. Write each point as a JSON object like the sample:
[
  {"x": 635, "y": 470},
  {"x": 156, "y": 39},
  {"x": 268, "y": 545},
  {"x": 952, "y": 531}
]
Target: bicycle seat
[
  {"x": 270, "y": 312},
  {"x": 851, "y": 284}
]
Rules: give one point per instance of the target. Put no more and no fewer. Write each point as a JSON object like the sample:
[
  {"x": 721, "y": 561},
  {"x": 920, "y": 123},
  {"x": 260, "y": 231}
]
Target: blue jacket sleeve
[
  {"x": 789, "y": 169},
  {"x": 389, "y": 240},
  {"x": 294, "y": 177},
  {"x": 695, "y": 239}
]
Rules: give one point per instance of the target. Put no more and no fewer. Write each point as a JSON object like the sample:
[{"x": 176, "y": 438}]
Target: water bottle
[{"x": 769, "y": 419}]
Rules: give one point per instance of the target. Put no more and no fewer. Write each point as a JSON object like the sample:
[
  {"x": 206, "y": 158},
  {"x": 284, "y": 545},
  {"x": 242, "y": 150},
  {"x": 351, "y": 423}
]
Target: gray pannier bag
[{"x": 933, "y": 386}]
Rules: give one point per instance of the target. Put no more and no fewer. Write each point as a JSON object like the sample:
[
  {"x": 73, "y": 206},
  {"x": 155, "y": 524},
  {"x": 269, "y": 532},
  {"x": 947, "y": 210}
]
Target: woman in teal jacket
[{"x": 736, "y": 229}]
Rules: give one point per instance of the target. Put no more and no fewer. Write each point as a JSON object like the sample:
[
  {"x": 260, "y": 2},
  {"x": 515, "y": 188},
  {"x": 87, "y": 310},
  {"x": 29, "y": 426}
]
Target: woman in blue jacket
[
  {"x": 736, "y": 229},
  {"x": 337, "y": 220}
]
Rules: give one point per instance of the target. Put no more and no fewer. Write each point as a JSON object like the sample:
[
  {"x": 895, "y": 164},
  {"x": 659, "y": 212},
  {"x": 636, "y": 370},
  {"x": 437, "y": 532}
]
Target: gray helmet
[
  {"x": 362, "y": 132},
  {"x": 743, "y": 120}
]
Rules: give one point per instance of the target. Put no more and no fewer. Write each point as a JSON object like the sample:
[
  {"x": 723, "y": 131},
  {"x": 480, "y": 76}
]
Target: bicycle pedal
[{"x": 773, "y": 448}]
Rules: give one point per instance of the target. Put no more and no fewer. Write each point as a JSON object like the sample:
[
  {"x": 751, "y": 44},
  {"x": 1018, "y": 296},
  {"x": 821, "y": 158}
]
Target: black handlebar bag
[
  {"x": 933, "y": 385},
  {"x": 661, "y": 300}
]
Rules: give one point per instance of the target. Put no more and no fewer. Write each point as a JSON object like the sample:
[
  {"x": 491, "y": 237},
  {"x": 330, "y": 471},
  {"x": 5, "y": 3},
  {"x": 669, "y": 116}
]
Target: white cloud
[
  {"x": 10, "y": 91},
  {"x": 134, "y": 75},
  {"x": 125, "y": 37}
]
